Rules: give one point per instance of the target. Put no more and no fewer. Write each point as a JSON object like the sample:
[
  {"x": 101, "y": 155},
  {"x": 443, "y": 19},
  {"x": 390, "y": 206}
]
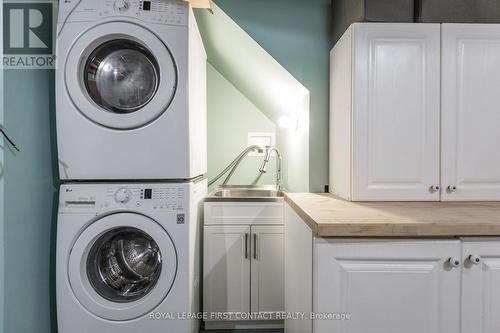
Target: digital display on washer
[
  {"x": 147, "y": 193},
  {"x": 146, "y": 5}
]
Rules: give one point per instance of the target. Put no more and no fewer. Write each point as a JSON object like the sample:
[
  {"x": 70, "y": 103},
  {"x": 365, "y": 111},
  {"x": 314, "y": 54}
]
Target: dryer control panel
[
  {"x": 99, "y": 198},
  {"x": 171, "y": 12}
]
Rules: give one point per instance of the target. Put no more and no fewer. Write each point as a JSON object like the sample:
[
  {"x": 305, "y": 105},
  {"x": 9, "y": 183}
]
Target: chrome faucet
[{"x": 263, "y": 168}]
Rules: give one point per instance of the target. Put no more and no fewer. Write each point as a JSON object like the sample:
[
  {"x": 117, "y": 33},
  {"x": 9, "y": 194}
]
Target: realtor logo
[{"x": 28, "y": 35}]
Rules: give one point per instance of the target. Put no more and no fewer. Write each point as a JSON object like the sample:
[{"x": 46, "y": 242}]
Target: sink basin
[{"x": 239, "y": 193}]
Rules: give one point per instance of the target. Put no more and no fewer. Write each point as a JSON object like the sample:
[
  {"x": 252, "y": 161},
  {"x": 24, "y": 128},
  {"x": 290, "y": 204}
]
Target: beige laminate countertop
[{"x": 330, "y": 216}]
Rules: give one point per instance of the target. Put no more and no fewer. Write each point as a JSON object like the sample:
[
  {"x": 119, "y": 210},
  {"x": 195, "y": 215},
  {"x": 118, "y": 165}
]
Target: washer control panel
[
  {"x": 75, "y": 198},
  {"x": 172, "y": 12},
  {"x": 166, "y": 197}
]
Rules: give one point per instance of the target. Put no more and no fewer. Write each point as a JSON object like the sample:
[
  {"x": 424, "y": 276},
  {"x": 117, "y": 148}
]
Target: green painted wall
[
  {"x": 264, "y": 82},
  {"x": 297, "y": 34},
  {"x": 29, "y": 180},
  {"x": 230, "y": 117}
]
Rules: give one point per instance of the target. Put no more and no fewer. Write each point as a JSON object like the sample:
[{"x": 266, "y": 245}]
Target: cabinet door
[
  {"x": 387, "y": 286},
  {"x": 481, "y": 287},
  {"x": 471, "y": 112},
  {"x": 226, "y": 270},
  {"x": 396, "y": 111},
  {"x": 268, "y": 269}
]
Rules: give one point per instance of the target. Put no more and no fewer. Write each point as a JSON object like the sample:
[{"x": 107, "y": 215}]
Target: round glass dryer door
[
  {"x": 120, "y": 75},
  {"x": 122, "y": 266}
]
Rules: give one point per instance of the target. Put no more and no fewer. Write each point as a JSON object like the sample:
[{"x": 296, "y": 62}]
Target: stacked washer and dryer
[{"x": 131, "y": 132}]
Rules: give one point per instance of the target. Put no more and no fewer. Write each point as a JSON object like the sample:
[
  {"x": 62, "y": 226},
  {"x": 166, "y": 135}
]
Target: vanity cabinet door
[
  {"x": 267, "y": 269},
  {"x": 470, "y": 112},
  {"x": 480, "y": 286},
  {"x": 386, "y": 286},
  {"x": 226, "y": 270}
]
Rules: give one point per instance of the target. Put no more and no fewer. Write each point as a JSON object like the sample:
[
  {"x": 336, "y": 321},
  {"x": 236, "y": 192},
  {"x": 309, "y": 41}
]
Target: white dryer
[
  {"x": 130, "y": 90},
  {"x": 128, "y": 257}
]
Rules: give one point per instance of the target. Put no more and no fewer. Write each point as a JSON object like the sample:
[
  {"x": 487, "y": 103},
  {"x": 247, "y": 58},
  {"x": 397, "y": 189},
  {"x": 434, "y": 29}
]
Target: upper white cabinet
[
  {"x": 414, "y": 112},
  {"x": 384, "y": 119},
  {"x": 471, "y": 112}
]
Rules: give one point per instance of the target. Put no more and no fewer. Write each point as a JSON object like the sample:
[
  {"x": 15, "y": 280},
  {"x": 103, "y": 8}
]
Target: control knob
[
  {"x": 121, "y": 5},
  {"x": 122, "y": 195}
]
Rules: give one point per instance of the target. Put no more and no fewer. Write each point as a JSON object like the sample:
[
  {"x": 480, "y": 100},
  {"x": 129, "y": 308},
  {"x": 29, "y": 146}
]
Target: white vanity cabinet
[
  {"x": 414, "y": 112},
  {"x": 447, "y": 285},
  {"x": 408, "y": 285},
  {"x": 481, "y": 285},
  {"x": 227, "y": 268},
  {"x": 388, "y": 286},
  {"x": 267, "y": 269},
  {"x": 243, "y": 264}
]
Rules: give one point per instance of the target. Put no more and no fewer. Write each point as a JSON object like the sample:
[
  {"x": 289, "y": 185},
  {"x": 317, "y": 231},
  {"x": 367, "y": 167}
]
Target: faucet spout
[
  {"x": 265, "y": 162},
  {"x": 263, "y": 168}
]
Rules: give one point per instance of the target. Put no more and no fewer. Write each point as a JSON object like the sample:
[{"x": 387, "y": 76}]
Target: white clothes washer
[
  {"x": 130, "y": 91},
  {"x": 128, "y": 257}
]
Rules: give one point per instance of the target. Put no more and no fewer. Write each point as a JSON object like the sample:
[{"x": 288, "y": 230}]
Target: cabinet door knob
[
  {"x": 474, "y": 258},
  {"x": 451, "y": 188},
  {"x": 435, "y": 188},
  {"x": 454, "y": 262}
]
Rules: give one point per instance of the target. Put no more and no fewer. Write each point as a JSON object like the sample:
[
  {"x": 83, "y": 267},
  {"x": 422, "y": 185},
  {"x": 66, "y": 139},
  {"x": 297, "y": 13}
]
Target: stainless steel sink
[{"x": 246, "y": 193}]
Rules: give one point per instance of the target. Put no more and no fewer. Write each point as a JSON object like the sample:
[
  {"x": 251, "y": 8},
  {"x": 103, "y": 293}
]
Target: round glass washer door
[
  {"x": 122, "y": 266},
  {"x": 120, "y": 80}
]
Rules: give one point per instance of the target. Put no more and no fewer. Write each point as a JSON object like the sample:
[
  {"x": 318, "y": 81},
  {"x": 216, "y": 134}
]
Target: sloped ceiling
[
  {"x": 248, "y": 66},
  {"x": 270, "y": 87}
]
